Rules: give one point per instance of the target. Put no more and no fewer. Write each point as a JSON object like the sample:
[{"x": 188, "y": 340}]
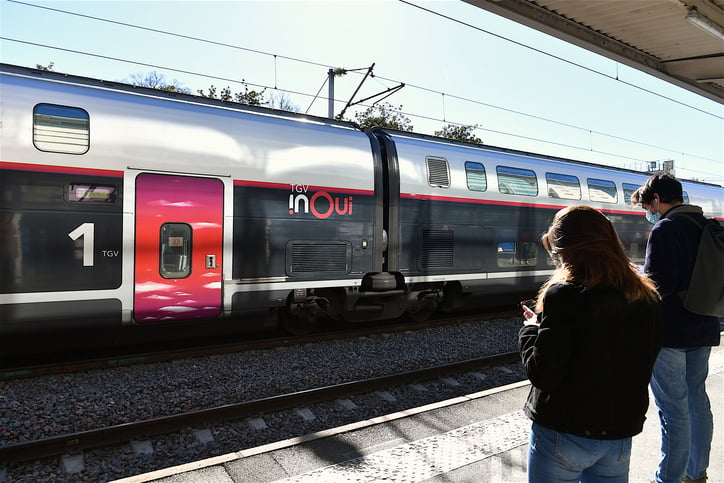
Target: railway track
[
  {"x": 130, "y": 358},
  {"x": 100, "y": 437}
]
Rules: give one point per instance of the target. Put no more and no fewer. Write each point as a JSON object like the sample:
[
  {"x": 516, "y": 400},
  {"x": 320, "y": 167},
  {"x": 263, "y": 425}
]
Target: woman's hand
[{"x": 530, "y": 317}]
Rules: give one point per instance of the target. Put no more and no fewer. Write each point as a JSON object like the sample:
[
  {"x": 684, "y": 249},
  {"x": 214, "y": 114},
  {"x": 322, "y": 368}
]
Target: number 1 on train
[{"x": 86, "y": 231}]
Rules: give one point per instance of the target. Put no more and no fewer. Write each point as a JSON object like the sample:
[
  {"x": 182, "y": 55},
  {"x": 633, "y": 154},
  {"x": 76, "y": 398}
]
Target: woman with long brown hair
[{"x": 588, "y": 349}]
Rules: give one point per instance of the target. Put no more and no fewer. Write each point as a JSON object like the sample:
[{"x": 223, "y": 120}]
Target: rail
[
  {"x": 130, "y": 358},
  {"x": 142, "y": 429}
]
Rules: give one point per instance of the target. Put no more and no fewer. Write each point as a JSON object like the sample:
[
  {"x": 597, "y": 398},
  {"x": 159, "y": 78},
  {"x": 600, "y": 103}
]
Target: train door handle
[{"x": 210, "y": 261}]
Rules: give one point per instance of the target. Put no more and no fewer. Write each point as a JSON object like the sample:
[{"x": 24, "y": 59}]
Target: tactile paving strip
[{"x": 429, "y": 457}]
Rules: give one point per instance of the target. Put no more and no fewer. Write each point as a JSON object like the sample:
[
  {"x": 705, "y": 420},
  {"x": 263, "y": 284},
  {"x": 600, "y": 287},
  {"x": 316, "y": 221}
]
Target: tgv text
[{"x": 321, "y": 203}]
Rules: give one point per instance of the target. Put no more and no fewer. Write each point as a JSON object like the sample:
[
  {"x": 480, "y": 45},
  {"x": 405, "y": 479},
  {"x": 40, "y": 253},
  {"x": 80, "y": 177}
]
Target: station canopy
[{"x": 680, "y": 41}]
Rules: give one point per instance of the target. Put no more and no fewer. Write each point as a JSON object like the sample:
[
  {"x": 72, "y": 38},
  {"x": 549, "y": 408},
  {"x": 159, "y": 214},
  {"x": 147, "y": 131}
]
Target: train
[{"x": 129, "y": 206}]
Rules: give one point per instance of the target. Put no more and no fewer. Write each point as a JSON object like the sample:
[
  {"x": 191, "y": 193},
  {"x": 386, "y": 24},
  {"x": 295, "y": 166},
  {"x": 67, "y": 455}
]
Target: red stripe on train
[{"x": 44, "y": 168}]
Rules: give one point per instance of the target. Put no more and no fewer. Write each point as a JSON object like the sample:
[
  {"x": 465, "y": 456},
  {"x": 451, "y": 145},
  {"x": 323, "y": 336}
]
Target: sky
[{"x": 460, "y": 64}]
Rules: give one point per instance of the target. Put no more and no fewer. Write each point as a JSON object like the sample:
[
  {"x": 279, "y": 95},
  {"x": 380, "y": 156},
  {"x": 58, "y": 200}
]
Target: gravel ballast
[{"x": 53, "y": 405}]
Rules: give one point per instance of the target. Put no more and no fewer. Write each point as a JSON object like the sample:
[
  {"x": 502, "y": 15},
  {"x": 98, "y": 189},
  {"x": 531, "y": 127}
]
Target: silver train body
[{"x": 131, "y": 206}]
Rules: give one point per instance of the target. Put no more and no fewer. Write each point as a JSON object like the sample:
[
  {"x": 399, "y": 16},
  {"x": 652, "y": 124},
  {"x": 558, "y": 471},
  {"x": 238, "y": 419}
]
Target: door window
[{"x": 175, "y": 250}]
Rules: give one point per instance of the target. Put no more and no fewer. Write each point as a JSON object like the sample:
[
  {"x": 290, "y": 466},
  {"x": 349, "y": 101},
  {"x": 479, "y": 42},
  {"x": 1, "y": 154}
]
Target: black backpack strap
[{"x": 682, "y": 293}]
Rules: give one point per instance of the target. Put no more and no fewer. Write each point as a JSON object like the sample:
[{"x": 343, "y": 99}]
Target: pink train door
[{"x": 179, "y": 239}]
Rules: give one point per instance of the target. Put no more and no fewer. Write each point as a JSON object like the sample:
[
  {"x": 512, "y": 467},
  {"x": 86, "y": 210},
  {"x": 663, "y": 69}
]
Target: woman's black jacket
[{"x": 590, "y": 360}]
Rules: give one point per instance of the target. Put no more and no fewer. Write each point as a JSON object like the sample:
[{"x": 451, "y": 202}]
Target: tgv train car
[
  {"x": 131, "y": 206},
  {"x": 468, "y": 219}
]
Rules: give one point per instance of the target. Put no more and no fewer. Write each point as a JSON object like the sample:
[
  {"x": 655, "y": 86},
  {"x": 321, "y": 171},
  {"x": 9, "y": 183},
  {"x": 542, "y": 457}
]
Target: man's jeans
[
  {"x": 561, "y": 457},
  {"x": 678, "y": 385}
]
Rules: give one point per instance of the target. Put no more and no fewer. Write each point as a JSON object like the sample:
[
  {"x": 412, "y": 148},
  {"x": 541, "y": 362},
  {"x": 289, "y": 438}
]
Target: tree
[
  {"x": 384, "y": 115},
  {"x": 459, "y": 133},
  {"x": 251, "y": 98},
  {"x": 156, "y": 80},
  {"x": 283, "y": 102}
]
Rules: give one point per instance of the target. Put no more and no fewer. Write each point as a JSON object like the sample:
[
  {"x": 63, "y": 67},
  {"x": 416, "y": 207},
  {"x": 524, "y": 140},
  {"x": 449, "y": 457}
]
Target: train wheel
[
  {"x": 296, "y": 325},
  {"x": 419, "y": 312}
]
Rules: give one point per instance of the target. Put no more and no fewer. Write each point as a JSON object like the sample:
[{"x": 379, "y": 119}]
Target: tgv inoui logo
[{"x": 321, "y": 203}]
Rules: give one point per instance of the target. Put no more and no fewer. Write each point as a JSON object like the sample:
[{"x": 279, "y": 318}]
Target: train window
[
  {"x": 517, "y": 181},
  {"x": 438, "y": 174},
  {"x": 91, "y": 193},
  {"x": 517, "y": 254},
  {"x": 475, "y": 175},
  {"x": 602, "y": 190},
  {"x": 685, "y": 195},
  {"x": 563, "y": 186},
  {"x": 61, "y": 129},
  {"x": 628, "y": 190},
  {"x": 175, "y": 250}
]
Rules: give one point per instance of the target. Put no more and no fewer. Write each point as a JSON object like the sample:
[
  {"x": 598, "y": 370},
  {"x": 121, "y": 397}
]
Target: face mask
[{"x": 654, "y": 217}]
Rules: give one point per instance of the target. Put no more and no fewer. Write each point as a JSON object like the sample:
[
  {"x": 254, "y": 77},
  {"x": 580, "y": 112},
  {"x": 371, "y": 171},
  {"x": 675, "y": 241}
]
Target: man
[{"x": 681, "y": 368}]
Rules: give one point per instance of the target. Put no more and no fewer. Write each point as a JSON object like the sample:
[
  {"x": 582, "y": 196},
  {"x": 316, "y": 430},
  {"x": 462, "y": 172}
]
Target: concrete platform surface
[{"x": 482, "y": 437}]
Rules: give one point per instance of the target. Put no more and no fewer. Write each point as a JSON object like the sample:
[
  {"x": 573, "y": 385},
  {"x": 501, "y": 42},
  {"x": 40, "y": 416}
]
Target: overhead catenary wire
[
  {"x": 557, "y": 57},
  {"x": 407, "y": 113},
  {"x": 309, "y": 62},
  {"x": 378, "y": 78},
  {"x": 165, "y": 32}
]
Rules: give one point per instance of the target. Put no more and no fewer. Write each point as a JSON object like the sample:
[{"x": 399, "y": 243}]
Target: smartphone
[{"x": 530, "y": 303}]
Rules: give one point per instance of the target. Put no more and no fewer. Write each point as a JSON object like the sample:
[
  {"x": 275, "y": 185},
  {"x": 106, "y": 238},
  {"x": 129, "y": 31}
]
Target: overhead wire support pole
[
  {"x": 331, "y": 74},
  {"x": 330, "y": 98},
  {"x": 369, "y": 73},
  {"x": 349, "y": 103},
  {"x": 389, "y": 91}
]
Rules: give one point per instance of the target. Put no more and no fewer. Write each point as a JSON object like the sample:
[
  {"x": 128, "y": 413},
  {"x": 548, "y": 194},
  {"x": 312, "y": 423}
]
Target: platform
[{"x": 481, "y": 437}]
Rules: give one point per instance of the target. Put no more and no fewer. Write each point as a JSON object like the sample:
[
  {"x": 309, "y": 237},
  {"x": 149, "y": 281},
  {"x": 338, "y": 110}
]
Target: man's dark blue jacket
[{"x": 670, "y": 255}]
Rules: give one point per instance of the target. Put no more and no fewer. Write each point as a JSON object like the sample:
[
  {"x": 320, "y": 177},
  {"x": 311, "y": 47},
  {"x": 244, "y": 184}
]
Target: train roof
[
  {"x": 170, "y": 95},
  {"x": 294, "y": 116},
  {"x": 528, "y": 154}
]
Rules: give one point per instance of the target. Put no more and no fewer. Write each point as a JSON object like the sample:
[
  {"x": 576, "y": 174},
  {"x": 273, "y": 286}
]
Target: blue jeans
[
  {"x": 558, "y": 457},
  {"x": 687, "y": 426}
]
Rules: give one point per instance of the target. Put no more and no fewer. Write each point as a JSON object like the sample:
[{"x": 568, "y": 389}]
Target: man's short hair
[{"x": 666, "y": 186}]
